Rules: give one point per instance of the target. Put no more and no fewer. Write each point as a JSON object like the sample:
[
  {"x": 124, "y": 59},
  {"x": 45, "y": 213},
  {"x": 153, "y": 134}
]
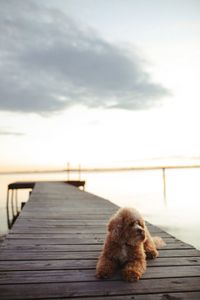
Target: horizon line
[{"x": 103, "y": 169}]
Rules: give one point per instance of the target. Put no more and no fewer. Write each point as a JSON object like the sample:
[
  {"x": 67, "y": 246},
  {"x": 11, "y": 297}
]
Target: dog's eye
[
  {"x": 141, "y": 224},
  {"x": 131, "y": 224}
]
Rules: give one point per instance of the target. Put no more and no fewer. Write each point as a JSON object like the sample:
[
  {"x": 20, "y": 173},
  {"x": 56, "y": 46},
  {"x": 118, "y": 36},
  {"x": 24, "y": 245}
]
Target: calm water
[{"x": 140, "y": 189}]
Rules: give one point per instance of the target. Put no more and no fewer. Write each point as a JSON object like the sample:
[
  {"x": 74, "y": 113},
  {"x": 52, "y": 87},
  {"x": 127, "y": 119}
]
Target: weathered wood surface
[{"x": 51, "y": 253}]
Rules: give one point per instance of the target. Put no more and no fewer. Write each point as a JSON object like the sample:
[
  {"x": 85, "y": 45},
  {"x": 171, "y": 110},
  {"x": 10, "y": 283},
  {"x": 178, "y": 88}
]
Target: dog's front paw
[
  {"x": 131, "y": 275},
  {"x": 151, "y": 254},
  {"x": 103, "y": 275},
  {"x": 105, "y": 268}
]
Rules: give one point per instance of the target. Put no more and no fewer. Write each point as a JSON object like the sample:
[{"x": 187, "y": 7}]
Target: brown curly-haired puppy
[{"x": 128, "y": 243}]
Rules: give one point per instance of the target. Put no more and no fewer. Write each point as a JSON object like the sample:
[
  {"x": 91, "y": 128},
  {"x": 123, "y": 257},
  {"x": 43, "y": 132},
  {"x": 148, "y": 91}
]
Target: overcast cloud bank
[{"x": 49, "y": 63}]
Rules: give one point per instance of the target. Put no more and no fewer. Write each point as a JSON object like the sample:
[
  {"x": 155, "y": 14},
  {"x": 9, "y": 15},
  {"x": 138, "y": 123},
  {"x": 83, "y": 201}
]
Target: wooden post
[
  {"x": 68, "y": 170},
  {"x": 7, "y": 208},
  {"x": 79, "y": 172},
  {"x": 16, "y": 202},
  {"x": 12, "y": 204},
  {"x": 164, "y": 187}
]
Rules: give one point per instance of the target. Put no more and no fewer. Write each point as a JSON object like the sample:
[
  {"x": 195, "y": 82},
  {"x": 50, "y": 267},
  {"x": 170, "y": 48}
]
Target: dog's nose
[
  {"x": 139, "y": 229},
  {"x": 141, "y": 232}
]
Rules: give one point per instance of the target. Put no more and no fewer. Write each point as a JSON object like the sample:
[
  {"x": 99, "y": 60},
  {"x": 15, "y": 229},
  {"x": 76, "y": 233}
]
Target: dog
[{"x": 127, "y": 245}]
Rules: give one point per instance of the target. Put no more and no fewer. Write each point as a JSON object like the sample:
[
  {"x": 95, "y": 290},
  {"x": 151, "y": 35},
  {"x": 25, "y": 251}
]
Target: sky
[{"x": 98, "y": 82}]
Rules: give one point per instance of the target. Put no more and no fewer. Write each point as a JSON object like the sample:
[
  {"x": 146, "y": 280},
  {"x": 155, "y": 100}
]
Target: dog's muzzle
[{"x": 140, "y": 230}]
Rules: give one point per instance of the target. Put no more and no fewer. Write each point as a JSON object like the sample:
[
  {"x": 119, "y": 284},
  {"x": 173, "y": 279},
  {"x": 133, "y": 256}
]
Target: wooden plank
[
  {"x": 64, "y": 215},
  {"x": 55, "y": 222},
  {"x": 44, "y": 276},
  {"x": 74, "y": 247},
  {"x": 25, "y": 242},
  {"x": 62, "y": 235},
  {"x": 79, "y": 239},
  {"x": 70, "y": 230},
  {"x": 164, "y": 296},
  {"x": 98, "y": 288},
  {"x": 37, "y": 223},
  {"x": 28, "y": 265},
  {"x": 37, "y": 255}
]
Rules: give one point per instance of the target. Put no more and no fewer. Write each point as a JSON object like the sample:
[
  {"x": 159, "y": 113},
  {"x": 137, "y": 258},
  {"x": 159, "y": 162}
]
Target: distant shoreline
[{"x": 111, "y": 169}]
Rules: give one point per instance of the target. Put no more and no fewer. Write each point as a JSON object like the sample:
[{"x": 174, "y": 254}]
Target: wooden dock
[{"x": 52, "y": 249}]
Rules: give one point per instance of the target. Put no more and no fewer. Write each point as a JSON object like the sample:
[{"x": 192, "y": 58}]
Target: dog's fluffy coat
[{"x": 128, "y": 243}]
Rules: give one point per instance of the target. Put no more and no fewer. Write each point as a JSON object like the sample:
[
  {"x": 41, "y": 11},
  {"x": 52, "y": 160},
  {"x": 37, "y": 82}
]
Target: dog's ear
[{"x": 115, "y": 227}]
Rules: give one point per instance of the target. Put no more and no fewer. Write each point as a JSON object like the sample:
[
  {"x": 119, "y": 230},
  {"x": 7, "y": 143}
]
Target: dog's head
[{"x": 127, "y": 226}]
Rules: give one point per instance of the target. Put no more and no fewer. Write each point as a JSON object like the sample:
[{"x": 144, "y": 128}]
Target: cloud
[
  {"x": 5, "y": 132},
  {"x": 49, "y": 62}
]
